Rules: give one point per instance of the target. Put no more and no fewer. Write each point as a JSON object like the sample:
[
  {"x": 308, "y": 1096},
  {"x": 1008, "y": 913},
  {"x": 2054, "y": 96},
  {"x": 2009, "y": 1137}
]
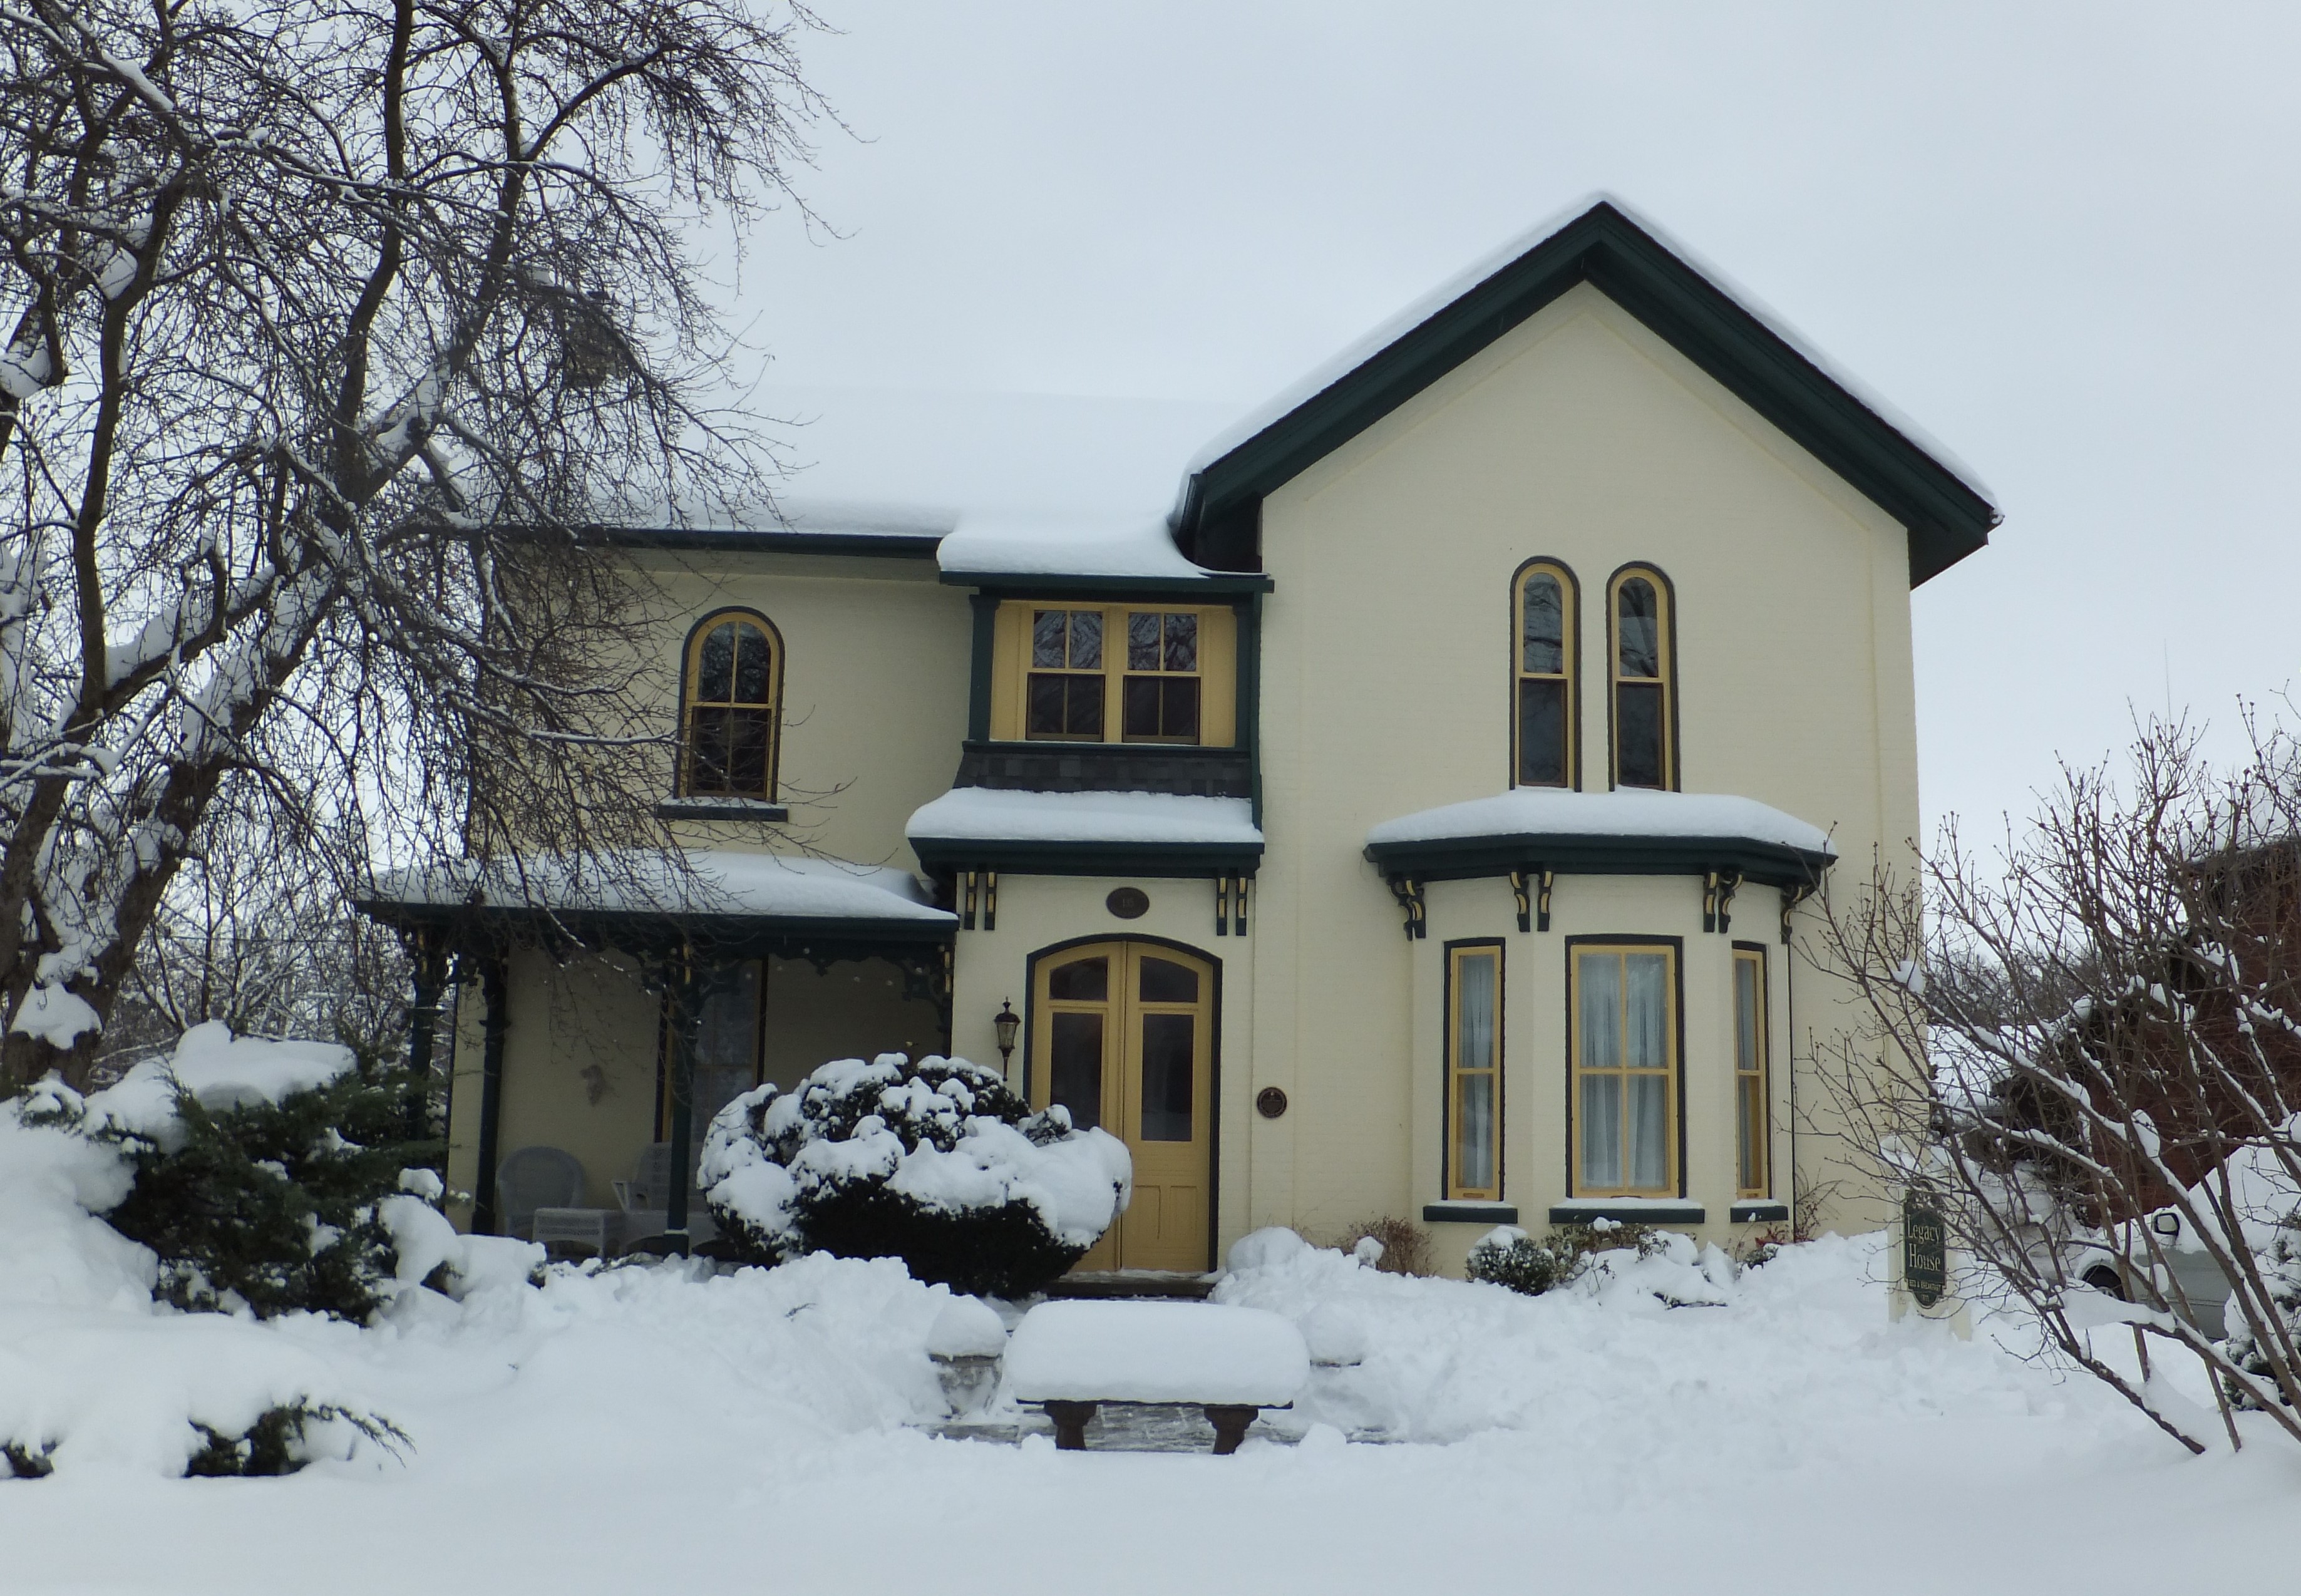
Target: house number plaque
[{"x": 1925, "y": 1252}]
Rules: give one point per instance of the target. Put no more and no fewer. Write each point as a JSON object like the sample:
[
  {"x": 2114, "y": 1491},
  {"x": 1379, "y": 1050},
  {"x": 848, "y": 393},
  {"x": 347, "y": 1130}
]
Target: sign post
[{"x": 1924, "y": 1270}]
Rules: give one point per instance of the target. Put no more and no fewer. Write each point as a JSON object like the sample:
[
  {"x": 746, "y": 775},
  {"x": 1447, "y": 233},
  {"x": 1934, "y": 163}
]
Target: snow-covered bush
[
  {"x": 2280, "y": 1264},
  {"x": 260, "y": 1172},
  {"x": 936, "y": 1163},
  {"x": 1506, "y": 1256}
]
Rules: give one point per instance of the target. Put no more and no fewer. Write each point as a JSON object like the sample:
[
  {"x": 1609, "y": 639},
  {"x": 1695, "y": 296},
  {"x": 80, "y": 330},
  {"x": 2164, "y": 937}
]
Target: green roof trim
[
  {"x": 1021, "y": 856},
  {"x": 1947, "y": 519},
  {"x": 1469, "y": 859}
]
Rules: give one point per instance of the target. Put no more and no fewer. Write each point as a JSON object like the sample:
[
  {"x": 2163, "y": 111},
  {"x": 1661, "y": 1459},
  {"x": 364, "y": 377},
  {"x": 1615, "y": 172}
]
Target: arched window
[
  {"x": 734, "y": 700},
  {"x": 1645, "y": 679},
  {"x": 1543, "y": 735}
]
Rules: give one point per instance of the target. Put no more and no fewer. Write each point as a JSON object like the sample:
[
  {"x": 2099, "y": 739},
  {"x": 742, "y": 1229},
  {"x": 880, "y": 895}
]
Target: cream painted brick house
[{"x": 1420, "y": 818}]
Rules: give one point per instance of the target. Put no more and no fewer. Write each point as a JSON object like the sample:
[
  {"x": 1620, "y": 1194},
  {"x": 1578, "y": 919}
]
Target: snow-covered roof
[
  {"x": 1007, "y": 545},
  {"x": 1377, "y": 340},
  {"x": 699, "y": 881},
  {"x": 989, "y": 814},
  {"x": 1628, "y": 812}
]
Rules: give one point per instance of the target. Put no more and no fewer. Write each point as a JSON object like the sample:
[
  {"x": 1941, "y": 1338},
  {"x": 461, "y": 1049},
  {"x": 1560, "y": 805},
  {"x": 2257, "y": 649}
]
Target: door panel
[{"x": 1124, "y": 1034}]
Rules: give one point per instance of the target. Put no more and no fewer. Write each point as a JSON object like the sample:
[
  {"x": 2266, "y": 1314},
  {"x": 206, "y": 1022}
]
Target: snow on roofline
[
  {"x": 718, "y": 882},
  {"x": 1050, "y": 545},
  {"x": 1629, "y": 812},
  {"x": 1330, "y": 372},
  {"x": 988, "y": 814}
]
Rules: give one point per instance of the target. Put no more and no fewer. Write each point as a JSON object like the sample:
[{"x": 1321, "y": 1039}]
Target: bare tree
[
  {"x": 2106, "y": 1028},
  {"x": 330, "y": 331}
]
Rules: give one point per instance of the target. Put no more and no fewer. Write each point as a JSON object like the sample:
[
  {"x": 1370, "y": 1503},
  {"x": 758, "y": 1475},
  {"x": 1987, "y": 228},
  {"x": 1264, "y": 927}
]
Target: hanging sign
[{"x": 1925, "y": 1252}]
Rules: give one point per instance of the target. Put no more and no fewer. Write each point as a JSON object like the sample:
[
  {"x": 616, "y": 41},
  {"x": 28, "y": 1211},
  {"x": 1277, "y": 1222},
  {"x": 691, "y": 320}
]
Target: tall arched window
[
  {"x": 734, "y": 700},
  {"x": 1645, "y": 679},
  {"x": 1542, "y": 735}
]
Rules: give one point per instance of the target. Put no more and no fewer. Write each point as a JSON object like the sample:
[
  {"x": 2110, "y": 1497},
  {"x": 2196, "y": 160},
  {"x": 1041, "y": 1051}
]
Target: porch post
[
  {"x": 494, "y": 990},
  {"x": 423, "y": 1019},
  {"x": 686, "y": 1016}
]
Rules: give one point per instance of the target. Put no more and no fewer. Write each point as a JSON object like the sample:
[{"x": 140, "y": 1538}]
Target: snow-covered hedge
[
  {"x": 264, "y": 1173},
  {"x": 937, "y": 1163}
]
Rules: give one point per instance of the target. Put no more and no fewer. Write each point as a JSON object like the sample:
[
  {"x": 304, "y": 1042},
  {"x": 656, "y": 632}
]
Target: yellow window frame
[
  {"x": 1620, "y": 951},
  {"x": 1464, "y": 1078},
  {"x": 1665, "y": 661},
  {"x": 1570, "y": 608},
  {"x": 690, "y": 699},
  {"x": 1217, "y": 672},
  {"x": 1753, "y": 1124}
]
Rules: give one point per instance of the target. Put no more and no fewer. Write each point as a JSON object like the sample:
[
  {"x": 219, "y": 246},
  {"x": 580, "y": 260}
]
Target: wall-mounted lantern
[{"x": 1005, "y": 1023}]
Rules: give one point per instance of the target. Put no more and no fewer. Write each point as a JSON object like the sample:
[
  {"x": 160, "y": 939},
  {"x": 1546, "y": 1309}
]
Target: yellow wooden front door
[{"x": 1124, "y": 1038}]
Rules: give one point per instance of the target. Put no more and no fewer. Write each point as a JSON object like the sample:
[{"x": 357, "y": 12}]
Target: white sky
[{"x": 2061, "y": 237}]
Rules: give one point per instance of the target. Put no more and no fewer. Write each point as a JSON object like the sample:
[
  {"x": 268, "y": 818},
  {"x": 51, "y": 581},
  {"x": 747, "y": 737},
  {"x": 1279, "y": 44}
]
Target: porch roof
[
  {"x": 1631, "y": 831},
  {"x": 1086, "y": 833}
]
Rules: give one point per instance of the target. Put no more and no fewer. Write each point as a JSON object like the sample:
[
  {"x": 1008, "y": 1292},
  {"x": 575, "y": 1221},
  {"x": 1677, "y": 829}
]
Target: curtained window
[
  {"x": 1753, "y": 1127},
  {"x": 1474, "y": 1072},
  {"x": 1625, "y": 1061}
]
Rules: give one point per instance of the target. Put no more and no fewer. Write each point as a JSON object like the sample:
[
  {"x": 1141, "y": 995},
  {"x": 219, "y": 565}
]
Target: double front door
[{"x": 1124, "y": 1039}]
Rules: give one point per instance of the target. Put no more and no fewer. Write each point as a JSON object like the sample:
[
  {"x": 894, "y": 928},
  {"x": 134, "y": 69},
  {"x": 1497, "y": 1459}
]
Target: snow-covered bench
[{"x": 1071, "y": 1358}]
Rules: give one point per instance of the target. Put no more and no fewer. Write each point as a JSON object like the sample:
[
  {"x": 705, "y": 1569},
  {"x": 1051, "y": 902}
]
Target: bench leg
[
  {"x": 1230, "y": 1423},
  {"x": 1070, "y": 1424}
]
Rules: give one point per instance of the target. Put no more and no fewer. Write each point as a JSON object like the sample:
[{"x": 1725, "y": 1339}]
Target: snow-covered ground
[{"x": 649, "y": 1428}]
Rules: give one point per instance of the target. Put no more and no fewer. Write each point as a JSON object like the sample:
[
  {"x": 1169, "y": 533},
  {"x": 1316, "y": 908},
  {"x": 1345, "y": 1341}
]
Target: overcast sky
[{"x": 2062, "y": 237}]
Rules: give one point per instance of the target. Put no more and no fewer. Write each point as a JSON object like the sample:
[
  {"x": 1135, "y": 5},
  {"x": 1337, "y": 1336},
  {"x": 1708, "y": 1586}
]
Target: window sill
[
  {"x": 1629, "y": 1210},
  {"x": 1758, "y": 1211},
  {"x": 1469, "y": 1212},
  {"x": 720, "y": 808}
]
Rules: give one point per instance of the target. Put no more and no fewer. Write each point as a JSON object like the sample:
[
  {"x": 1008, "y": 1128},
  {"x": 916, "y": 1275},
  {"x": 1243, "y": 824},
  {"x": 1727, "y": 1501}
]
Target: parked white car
[{"x": 2203, "y": 1294}]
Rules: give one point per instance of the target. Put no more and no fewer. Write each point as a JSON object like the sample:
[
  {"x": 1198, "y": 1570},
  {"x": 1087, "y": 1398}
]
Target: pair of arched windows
[
  {"x": 1642, "y": 678},
  {"x": 731, "y": 719}
]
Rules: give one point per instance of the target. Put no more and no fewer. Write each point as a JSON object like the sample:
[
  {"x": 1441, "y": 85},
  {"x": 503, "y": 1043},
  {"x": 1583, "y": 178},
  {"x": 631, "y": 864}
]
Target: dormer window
[
  {"x": 1543, "y": 734},
  {"x": 1644, "y": 681},
  {"x": 1143, "y": 672},
  {"x": 733, "y": 690}
]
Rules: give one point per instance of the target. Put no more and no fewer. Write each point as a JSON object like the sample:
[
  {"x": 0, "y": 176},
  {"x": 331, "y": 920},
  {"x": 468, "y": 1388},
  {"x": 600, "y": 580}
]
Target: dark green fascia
[
  {"x": 889, "y": 546},
  {"x": 979, "y": 666},
  {"x": 1947, "y": 519},
  {"x": 1248, "y": 721},
  {"x": 1152, "y": 860},
  {"x": 1057, "y": 589},
  {"x": 1465, "y": 858}
]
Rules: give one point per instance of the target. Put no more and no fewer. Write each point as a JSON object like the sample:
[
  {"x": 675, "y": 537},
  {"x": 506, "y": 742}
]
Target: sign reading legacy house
[{"x": 1925, "y": 1252}]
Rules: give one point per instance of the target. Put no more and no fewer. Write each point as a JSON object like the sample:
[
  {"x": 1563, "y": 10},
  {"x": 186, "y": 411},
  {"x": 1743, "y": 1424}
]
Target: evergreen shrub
[
  {"x": 937, "y": 1163},
  {"x": 1506, "y": 1256}
]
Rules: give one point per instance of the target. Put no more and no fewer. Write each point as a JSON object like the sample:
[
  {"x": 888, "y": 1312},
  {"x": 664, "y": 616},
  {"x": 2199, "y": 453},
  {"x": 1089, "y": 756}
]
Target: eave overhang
[
  {"x": 1053, "y": 585},
  {"x": 1945, "y": 517},
  {"x": 1151, "y": 859},
  {"x": 1465, "y": 858}
]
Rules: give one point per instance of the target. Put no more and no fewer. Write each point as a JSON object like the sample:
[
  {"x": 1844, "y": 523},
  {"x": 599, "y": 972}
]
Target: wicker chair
[{"x": 532, "y": 1178}]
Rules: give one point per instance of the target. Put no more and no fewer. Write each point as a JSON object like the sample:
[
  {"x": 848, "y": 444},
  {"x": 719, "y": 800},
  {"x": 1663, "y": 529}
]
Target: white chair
[
  {"x": 645, "y": 1199},
  {"x": 532, "y": 1178}
]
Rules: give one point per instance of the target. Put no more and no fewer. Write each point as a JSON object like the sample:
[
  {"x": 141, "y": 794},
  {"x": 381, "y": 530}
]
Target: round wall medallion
[
  {"x": 1128, "y": 903},
  {"x": 1270, "y": 1102}
]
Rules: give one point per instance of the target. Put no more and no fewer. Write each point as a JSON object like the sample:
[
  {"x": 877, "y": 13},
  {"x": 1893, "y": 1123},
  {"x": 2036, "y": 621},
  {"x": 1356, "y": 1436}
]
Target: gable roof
[{"x": 1752, "y": 354}]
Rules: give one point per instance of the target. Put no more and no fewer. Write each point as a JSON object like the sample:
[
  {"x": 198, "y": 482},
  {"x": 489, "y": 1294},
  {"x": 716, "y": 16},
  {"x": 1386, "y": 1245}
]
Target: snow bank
[
  {"x": 986, "y": 814},
  {"x": 1076, "y": 1351}
]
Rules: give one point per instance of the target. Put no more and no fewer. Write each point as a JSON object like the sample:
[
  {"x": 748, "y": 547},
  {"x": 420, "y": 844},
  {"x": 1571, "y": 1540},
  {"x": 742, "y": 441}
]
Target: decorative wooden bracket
[
  {"x": 1791, "y": 898},
  {"x": 981, "y": 892},
  {"x": 1238, "y": 906},
  {"x": 1409, "y": 893},
  {"x": 967, "y": 887},
  {"x": 1222, "y": 905},
  {"x": 1531, "y": 888},
  {"x": 1718, "y": 890},
  {"x": 991, "y": 900}
]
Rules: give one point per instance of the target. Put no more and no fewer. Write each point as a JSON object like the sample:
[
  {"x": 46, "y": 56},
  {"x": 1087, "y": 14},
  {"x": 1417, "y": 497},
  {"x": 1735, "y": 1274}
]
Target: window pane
[
  {"x": 1541, "y": 631},
  {"x": 746, "y": 752},
  {"x": 1602, "y": 1131},
  {"x": 1081, "y": 980},
  {"x": 1178, "y": 708},
  {"x": 1140, "y": 695},
  {"x": 1049, "y": 695},
  {"x": 1638, "y": 734},
  {"x": 1649, "y": 1133},
  {"x": 1086, "y": 639},
  {"x": 1746, "y": 1014},
  {"x": 1638, "y": 634},
  {"x": 1541, "y": 732},
  {"x": 1142, "y": 640},
  {"x": 1163, "y": 981},
  {"x": 752, "y": 660},
  {"x": 1074, "y": 1073},
  {"x": 1182, "y": 642},
  {"x": 715, "y": 667},
  {"x": 1084, "y": 715},
  {"x": 1750, "y": 1114},
  {"x": 1474, "y": 1010},
  {"x": 1167, "y": 1050},
  {"x": 1599, "y": 977},
  {"x": 1474, "y": 1133},
  {"x": 1645, "y": 1040},
  {"x": 706, "y": 745},
  {"x": 1047, "y": 635}
]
